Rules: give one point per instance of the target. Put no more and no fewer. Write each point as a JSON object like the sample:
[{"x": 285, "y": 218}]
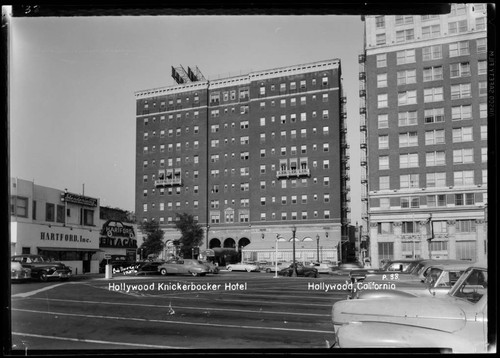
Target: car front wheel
[
  {"x": 43, "y": 276},
  {"x": 194, "y": 274},
  {"x": 163, "y": 272},
  {"x": 249, "y": 270},
  {"x": 268, "y": 270},
  {"x": 229, "y": 268}
]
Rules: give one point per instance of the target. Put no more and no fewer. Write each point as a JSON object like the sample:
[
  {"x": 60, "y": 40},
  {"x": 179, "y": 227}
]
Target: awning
[{"x": 67, "y": 249}]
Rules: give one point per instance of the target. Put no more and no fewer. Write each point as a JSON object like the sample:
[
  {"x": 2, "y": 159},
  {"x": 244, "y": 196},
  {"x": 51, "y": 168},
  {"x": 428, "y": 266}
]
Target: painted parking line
[
  {"x": 179, "y": 306},
  {"x": 126, "y": 344},
  {"x": 31, "y": 293},
  {"x": 174, "y": 322}
]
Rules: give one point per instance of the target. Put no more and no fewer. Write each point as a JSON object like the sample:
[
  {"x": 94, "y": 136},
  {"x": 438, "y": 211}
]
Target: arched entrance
[
  {"x": 229, "y": 243},
  {"x": 214, "y": 243}
]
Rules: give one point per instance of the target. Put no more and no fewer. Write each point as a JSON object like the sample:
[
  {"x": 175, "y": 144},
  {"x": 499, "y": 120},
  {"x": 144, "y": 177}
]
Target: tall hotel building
[
  {"x": 254, "y": 158},
  {"x": 424, "y": 135}
]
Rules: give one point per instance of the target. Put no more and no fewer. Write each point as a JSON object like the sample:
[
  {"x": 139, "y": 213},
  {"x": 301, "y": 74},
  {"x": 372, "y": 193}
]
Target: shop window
[
  {"x": 49, "y": 212},
  {"x": 19, "y": 206}
]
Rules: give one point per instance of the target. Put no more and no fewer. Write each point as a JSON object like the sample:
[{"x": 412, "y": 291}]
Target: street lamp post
[
  {"x": 317, "y": 247},
  {"x": 294, "y": 268},
  {"x": 276, "y": 257}
]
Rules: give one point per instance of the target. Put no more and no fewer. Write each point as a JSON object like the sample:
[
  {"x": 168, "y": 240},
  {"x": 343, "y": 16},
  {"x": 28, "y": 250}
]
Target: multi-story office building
[
  {"x": 250, "y": 157},
  {"x": 424, "y": 134}
]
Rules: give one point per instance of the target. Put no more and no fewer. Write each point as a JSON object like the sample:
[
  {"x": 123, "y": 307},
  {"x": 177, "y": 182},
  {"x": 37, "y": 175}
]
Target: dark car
[
  {"x": 346, "y": 268},
  {"x": 148, "y": 267},
  {"x": 391, "y": 266},
  {"x": 42, "y": 268},
  {"x": 119, "y": 263},
  {"x": 302, "y": 270}
]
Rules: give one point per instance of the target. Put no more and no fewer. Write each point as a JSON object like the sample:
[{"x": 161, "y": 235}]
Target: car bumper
[{"x": 20, "y": 276}]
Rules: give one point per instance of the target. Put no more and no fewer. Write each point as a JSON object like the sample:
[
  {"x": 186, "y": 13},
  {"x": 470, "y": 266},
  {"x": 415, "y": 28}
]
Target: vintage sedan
[
  {"x": 183, "y": 267},
  {"x": 43, "y": 268},
  {"x": 346, "y": 268},
  {"x": 243, "y": 266},
  {"x": 437, "y": 283},
  {"x": 456, "y": 322},
  {"x": 322, "y": 267},
  {"x": 211, "y": 267},
  {"x": 306, "y": 271},
  {"x": 147, "y": 267},
  {"x": 276, "y": 267},
  {"x": 18, "y": 273}
]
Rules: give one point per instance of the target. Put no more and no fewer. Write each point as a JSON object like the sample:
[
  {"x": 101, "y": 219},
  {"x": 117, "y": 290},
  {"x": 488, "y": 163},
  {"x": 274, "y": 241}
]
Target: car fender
[
  {"x": 376, "y": 334},
  {"x": 384, "y": 294},
  {"x": 426, "y": 312}
]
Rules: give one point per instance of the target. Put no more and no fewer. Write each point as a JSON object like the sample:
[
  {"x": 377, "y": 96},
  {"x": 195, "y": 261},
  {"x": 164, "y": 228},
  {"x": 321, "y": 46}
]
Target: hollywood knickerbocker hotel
[{"x": 254, "y": 158}]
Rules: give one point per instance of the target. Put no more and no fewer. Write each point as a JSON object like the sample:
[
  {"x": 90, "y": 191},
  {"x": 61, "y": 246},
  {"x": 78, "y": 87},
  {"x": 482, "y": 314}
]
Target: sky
[{"x": 72, "y": 82}]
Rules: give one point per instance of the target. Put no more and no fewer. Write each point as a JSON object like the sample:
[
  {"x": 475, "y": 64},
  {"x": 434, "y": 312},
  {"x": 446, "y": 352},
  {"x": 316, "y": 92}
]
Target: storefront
[{"x": 75, "y": 247}]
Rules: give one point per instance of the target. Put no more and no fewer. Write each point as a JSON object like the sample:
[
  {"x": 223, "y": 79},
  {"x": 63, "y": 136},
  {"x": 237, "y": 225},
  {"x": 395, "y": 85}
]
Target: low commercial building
[{"x": 54, "y": 223}]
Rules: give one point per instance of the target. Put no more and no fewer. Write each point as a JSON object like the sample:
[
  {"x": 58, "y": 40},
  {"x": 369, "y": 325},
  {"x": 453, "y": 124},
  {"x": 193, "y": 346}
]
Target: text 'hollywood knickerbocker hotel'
[{"x": 258, "y": 160}]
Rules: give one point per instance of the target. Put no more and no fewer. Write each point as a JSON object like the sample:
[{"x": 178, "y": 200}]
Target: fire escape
[
  {"x": 364, "y": 148},
  {"x": 344, "y": 169}
]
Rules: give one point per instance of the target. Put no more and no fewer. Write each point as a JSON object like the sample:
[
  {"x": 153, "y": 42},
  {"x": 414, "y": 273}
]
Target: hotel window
[
  {"x": 214, "y": 128},
  {"x": 384, "y": 228},
  {"x": 283, "y": 103},
  {"x": 382, "y": 60},
  {"x": 244, "y": 125},
  {"x": 484, "y": 132},
  {"x": 483, "y": 110},
  {"x": 303, "y": 117},
  {"x": 405, "y": 35},
  {"x": 459, "y": 49},
  {"x": 383, "y": 162},
  {"x": 434, "y": 115},
  {"x": 407, "y": 97},
  {"x": 326, "y": 181},
  {"x": 303, "y": 133},
  {"x": 246, "y": 171},
  {"x": 405, "y": 56},
  {"x": 293, "y": 134},
  {"x": 465, "y": 177},
  {"x": 145, "y": 136},
  {"x": 409, "y": 160},
  {"x": 303, "y": 100},
  {"x": 482, "y": 68},
  {"x": 246, "y": 139},
  {"x": 382, "y": 80},
  {"x": 408, "y": 181},
  {"x": 433, "y": 94},
  {"x": 380, "y": 39},
  {"x": 196, "y": 129},
  {"x": 407, "y": 202},
  {"x": 461, "y": 91},
  {"x": 145, "y": 150},
  {"x": 483, "y": 88},
  {"x": 145, "y": 164},
  {"x": 326, "y": 198},
  {"x": 293, "y": 102},
  {"x": 428, "y": 17},
  {"x": 405, "y": 77},
  {"x": 464, "y": 199},
  {"x": 457, "y": 27},
  {"x": 326, "y": 164},
  {"x": 404, "y": 20},
  {"x": 461, "y": 112},
  {"x": 433, "y": 73},
  {"x": 408, "y": 139},
  {"x": 383, "y": 142},
  {"x": 435, "y": 180},
  {"x": 434, "y": 137},
  {"x": 380, "y": 22},
  {"x": 434, "y": 52},
  {"x": 481, "y": 45},
  {"x": 326, "y": 147},
  {"x": 326, "y": 130},
  {"x": 459, "y": 69},
  {"x": 431, "y": 31},
  {"x": 407, "y": 118},
  {"x": 458, "y": 9},
  {"x": 382, "y": 100},
  {"x": 485, "y": 178},
  {"x": 385, "y": 203},
  {"x": 435, "y": 158},
  {"x": 325, "y": 97},
  {"x": 484, "y": 155},
  {"x": 325, "y": 114},
  {"x": 465, "y": 226},
  {"x": 434, "y": 201},
  {"x": 384, "y": 182},
  {"x": 463, "y": 134},
  {"x": 463, "y": 156},
  {"x": 383, "y": 121}
]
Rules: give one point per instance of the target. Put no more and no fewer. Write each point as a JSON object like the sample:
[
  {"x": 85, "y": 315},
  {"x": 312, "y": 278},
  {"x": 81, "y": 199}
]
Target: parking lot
[{"x": 225, "y": 311}]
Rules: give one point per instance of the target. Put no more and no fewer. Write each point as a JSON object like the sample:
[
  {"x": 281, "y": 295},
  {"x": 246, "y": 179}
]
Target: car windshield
[
  {"x": 410, "y": 267},
  {"x": 471, "y": 286}
]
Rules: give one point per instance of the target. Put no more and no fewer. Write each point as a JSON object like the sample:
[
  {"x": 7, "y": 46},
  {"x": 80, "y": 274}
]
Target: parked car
[
  {"x": 211, "y": 267},
  {"x": 147, "y": 267},
  {"x": 183, "y": 267},
  {"x": 302, "y": 270},
  {"x": 18, "y": 273},
  {"x": 243, "y": 266},
  {"x": 43, "y": 268},
  {"x": 437, "y": 283},
  {"x": 119, "y": 263},
  {"x": 418, "y": 273},
  {"x": 346, "y": 268},
  {"x": 403, "y": 265},
  {"x": 457, "y": 321},
  {"x": 322, "y": 267},
  {"x": 272, "y": 266}
]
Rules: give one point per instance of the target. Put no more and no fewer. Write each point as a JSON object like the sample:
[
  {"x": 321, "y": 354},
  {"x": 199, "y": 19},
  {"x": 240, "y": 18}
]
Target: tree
[
  {"x": 153, "y": 243},
  {"x": 191, "y": 233}
]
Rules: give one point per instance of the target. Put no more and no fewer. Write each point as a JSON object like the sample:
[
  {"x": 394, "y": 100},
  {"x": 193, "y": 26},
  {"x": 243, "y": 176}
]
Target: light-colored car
[
  {"x": 19, "y": 273},
  {"x": 457, "y": 321},
  {"x": 322, "y": 267},
  {"x": 437, "y": 283},
  {"x": 346, "y": 268},
  {"x": 242, "y": 266},
  {"x": 43, "y": 268},
  {"x": 182, "y": 267},
  {"x": 272, "y": 267}
]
